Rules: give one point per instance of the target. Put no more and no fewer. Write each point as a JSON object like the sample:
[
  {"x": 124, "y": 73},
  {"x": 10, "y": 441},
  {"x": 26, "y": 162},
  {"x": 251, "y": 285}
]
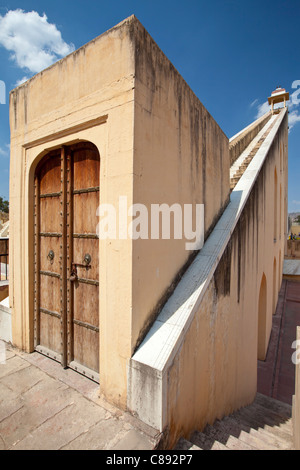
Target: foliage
[{"x": 4, "y": 205}]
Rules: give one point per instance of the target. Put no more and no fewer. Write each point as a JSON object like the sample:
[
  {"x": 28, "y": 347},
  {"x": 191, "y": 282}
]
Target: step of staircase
[
  {"x": 266, "y": 424},
  {"x": 247, "y": 160}
]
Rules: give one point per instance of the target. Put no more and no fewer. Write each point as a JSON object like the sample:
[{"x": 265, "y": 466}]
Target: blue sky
[{"x": 232, "y": 53}]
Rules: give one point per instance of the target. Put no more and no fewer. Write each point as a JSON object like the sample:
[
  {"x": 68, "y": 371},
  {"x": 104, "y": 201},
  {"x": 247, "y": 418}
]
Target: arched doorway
[
  {"x": 262, "y": 319},
  {"x": 66, "y": 257}
]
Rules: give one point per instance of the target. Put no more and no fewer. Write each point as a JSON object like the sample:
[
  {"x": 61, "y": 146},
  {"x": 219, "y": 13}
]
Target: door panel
[
  {"x": 86, "y": 169},
  {"x": 50, "y": 293},
  {"x": 82, "y": 355},
  {"x": 49, "y": 214},
  {"x": 82, "y": 246},
  {"x": 48, "y": 244},
  {"x": 67, "y": 257},
  {"x": 49, "y": 174},
  {"x": 82, "y": 292},
  {"x": 85, "y": 221},
  {"x": 50, "y": 335},
  {"x": 85, "y": 301}
]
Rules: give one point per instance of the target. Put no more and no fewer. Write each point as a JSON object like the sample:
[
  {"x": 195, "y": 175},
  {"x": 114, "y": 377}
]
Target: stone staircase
[
  {"x": 249, "y": 157},
  {"x": 266, "y": 424}
]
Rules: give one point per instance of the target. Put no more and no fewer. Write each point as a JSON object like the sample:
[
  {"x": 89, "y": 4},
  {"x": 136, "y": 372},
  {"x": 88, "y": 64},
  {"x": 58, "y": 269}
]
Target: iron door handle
[{"x": 86, "y": 265}]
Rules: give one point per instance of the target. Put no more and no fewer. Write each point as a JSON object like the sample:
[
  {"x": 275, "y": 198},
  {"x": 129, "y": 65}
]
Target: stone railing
[{"x": 238, "y": 144}]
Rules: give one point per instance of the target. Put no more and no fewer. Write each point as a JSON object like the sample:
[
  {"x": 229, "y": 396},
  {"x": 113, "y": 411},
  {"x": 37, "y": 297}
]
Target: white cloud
[
  {"x": 262, "y": 109},
  {"x": 4, "y": 152},
  {"x": 33, "y": 42},
  {"x": 22, "y": 80},
  {"x": 294, "y": 117},
  {"x": 253, "y": 103}
]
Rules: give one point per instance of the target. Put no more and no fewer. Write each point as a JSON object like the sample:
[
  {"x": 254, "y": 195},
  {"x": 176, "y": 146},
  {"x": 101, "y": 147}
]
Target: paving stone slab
[
  {"x": 65, "y": 426},
  {"x": 40, "y": 403},
  {"x": 9, "y": 353},
  {"x": 133, "y": 440},
  {"x": 2, "y": 444},
  {"x": 43, "y": 406},
  {"x": 11, "y": 365},
  {"x": 97, "y": 437},
  {"x": 8, "y": 409},
  {"x": 68, "y": 376},
  {"x": 6, "y": 393},
  {"x": 23, "y": 379}
]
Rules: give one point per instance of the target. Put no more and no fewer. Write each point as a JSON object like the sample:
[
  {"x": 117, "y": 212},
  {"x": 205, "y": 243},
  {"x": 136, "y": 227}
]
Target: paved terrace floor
[
  {"x": 276, "y": 375},
  {"x": 44, "y": 407}
]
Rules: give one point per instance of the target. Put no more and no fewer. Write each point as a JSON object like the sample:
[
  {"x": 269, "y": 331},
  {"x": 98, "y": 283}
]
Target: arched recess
[
  {"x": 262, "y": 320},
  {"x": 66, "y": 256},
  {"x": 275, "y": 287}
]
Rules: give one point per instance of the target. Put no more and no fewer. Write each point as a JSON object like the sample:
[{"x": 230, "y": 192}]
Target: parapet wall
[{"x": 239, "y": 142}]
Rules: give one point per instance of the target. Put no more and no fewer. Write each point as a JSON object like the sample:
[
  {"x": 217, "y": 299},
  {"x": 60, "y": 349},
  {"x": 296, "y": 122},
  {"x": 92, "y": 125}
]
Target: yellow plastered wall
[{"x": 181, "y": 156}]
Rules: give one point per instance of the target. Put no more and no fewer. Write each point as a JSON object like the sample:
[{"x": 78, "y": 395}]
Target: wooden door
[{"x": 67, "y": 258}]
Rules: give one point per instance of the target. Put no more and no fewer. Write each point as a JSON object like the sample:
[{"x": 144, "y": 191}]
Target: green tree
[
  {"x": 4, "y": 205},
  {"x": 298, "y": 219}
]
